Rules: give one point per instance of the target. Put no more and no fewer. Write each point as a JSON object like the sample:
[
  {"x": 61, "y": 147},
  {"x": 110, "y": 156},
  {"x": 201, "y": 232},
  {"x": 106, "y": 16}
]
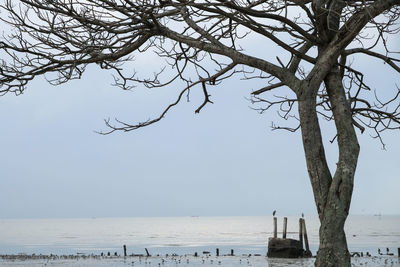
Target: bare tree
[{"x": 202, "y": 44}]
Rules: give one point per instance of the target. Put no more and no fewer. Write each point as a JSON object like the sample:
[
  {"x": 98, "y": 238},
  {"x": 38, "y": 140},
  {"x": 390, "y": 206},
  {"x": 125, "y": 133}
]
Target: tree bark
[
  {"x": 332, "y": 195},
  {"x": 333, "y": 249},
  {"x": 318, "y": 171}
]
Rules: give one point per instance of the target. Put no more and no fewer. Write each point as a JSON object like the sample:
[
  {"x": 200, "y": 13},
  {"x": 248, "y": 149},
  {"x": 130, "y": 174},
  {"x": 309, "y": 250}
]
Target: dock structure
[{"x": 288, "y": 247}]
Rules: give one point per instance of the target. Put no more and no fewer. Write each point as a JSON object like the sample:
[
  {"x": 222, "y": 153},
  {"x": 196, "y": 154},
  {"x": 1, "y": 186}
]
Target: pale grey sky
[{"x": 223, "y": 161}]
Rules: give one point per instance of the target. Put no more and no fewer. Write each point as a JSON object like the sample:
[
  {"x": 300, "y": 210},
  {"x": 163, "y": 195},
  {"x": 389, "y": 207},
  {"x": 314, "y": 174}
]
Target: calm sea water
[{"x": 181, "y": 235}]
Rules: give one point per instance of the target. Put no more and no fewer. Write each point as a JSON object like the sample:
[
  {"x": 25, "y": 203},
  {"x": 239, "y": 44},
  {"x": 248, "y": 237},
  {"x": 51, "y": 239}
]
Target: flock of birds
[
  {"x": 205, "y": 260},
  {"x": 188, "y": 260}
]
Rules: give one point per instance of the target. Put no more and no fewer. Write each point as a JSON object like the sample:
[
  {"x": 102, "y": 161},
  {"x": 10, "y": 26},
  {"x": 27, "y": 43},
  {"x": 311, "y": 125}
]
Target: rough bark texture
[
  {"x": 333, "y": 249},
  {"x": 317, "y": 166},
  {"x": 332, "y": 195}
]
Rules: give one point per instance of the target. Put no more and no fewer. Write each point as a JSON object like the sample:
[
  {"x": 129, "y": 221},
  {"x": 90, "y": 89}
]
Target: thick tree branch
[{"x": 389, "y": 60}]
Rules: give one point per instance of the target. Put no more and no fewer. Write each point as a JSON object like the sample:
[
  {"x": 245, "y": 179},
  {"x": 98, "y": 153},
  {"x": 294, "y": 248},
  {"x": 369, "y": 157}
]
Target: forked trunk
[{"x": 332, "y": 195}]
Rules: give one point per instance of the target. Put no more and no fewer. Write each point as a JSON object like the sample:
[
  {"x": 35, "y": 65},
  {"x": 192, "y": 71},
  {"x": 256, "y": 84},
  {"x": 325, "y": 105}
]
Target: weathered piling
[
  {"x": 147, "y": 253},
  {"x": 398, "y": 252},
  {"x": 125, "y": 251},
  {"x": 308, "y": 252},
  {"x": 217, "y": 252},
  {"x": 284, "y": 247},
  {"x": 301, "y": 232},
  {"x": 284, "y": 227}
]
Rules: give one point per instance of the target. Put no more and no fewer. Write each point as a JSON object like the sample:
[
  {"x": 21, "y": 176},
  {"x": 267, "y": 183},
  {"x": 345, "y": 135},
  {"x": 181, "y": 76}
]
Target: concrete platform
[{"x": 285, "y": 248}]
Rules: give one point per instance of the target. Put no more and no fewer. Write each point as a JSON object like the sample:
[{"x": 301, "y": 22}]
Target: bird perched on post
[
  {"x": 273, "y": 213},
  {"x": 302, "y": 215}
]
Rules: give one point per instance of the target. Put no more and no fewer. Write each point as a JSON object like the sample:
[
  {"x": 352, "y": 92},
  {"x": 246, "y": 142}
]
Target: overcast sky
[{"x": 223, "y": 161}]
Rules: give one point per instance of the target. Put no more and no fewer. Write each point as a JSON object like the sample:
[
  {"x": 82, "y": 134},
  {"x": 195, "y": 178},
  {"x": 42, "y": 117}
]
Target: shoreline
[{"x": 92, "y": 260}]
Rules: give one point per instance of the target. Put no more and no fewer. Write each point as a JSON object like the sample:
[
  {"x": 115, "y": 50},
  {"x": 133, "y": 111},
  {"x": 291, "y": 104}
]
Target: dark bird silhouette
[
  {"x": 273, "y": 213},
  {"x": 302, "y": 215}
]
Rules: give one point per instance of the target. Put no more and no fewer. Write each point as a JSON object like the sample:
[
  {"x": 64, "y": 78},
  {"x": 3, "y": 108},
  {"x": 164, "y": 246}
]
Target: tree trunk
[
  {"x": 332, "y": 195},
  {"x": 333, "y": 251}
]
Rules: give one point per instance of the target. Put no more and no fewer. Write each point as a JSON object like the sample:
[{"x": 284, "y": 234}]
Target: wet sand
[{"x": 170, "y": 261}]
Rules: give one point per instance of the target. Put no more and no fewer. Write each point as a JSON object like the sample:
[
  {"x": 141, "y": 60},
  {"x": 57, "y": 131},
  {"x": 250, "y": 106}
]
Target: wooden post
[
  {"x": 234, "y": 254},
  {"x": 217, "y": 252},
  {"x": 284, "y": 227},
  {"x": 124, "y": 250},
  {"x": 195, "y": 254},
  {"x": 308, "y": 252},
  {"x": 301, "y": 231},
  {"x": 275, "y": 227},
  {"x": 398, "y": 252},
  {"x": 147, "y": 252}
]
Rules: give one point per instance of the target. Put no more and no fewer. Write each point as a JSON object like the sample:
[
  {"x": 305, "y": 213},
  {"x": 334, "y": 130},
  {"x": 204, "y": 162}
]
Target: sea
[{"x": 183, "y": 235}]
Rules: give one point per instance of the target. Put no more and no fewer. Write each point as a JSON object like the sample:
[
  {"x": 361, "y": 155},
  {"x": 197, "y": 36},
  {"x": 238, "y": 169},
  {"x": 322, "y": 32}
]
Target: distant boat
[{"x": 379, "y": 214}]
